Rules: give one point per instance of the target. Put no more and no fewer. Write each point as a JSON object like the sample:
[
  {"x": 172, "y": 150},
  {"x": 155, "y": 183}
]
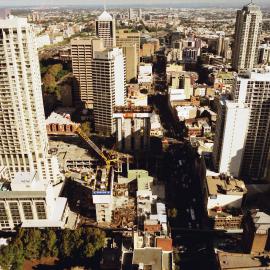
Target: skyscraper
[
  {"x": 130, "y": 42},
  {"x": 231, "y": 131},
  {"x": 105, "y": 29},
  {"x": 109, "y": 84},
  {"x": 140, "y": 14},
  {"x": 131, "y": 14},
  {"x": 247, "y": 34},
  {"x": 253, "y": 89},
  {"x": 23, "y": 140},
  {"x": 82, "y": 56}
]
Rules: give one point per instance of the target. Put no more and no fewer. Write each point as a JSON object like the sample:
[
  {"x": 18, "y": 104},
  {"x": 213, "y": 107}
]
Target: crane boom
[{"x": 82, "y": 134}]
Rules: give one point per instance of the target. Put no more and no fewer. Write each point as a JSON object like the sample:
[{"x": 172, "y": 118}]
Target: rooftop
[
  {"x": 105, "y": 16},
  {"x": 230, "y": 261},
  {"x": 148, "y": 256},
  {"x": 261, "y": 221},
  {"x": 133, "y": 109},
  {"x": 224, "y": 184},
  {"x": 56, "y": 118},
  {"x": 164, "y": 243},
  {"x": 257, "y": 74},
  {"x": 13, "y": 22}
]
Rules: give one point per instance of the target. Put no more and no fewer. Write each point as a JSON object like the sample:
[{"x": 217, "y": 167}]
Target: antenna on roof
[{"x": 104, "y": 4}]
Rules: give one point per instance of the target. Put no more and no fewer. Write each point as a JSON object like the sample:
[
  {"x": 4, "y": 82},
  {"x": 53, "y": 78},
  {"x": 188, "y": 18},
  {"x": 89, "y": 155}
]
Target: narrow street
[{"x": 188, "y": 223}]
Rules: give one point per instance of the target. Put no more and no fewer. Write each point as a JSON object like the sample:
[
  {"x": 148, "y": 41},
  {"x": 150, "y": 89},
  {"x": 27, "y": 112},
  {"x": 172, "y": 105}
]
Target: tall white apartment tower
[
  {"x": 105, "y": 29},
  {"x": 231, "y": 132},
  {"x": 23, "y": 140},
  {"x": 109, "y": 84},
  {"x": 247, "y": 34},
  {"x": 253, "y": 89}
]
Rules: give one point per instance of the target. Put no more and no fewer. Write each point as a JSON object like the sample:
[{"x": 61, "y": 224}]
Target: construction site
[{"x": 91, "y": 175}]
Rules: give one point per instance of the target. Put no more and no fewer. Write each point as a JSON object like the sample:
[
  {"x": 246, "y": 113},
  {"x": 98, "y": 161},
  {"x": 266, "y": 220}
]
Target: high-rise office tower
[
  {"x": 230, "y": 137},
  {"x": 23, "y": 140},
  {"x": 253, "y": 89},
  {"x": 105, "y": 29},
  {"x": 109, "y": 83},
  {"x": 140, "y": 14},
  {"x": 264, "y": 54},
  {"x": 82, "y": 55},
  {"x": 247, "y": 34},
  {"x": 131, "y": 62},
  {"x": 131, "y": 14},
  {"x": 130, "y": 42}
]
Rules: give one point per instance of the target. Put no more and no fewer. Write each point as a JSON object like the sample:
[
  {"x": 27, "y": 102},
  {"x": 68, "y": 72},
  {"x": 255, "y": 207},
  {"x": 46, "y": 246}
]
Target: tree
[
  {"x": 55, "y": 69},
  {"x": 64, "y": 247},
  {"x": 172, "y": 213},
  {"x": 32, "y": 244},
  {"x": 49, "y": 83},
  {"x": 6, "y": 257},
  {"x": 86, "y": 127},
  {"x": 50, "y": 244}
]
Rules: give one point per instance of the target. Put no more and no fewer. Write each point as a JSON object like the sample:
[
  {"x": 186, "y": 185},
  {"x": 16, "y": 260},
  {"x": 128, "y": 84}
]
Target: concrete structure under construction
[{"x": 133, "y": 127}]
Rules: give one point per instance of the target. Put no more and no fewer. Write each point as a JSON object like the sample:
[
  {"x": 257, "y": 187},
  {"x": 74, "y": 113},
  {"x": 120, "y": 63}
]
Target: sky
[{"x": 170, "y": 3}]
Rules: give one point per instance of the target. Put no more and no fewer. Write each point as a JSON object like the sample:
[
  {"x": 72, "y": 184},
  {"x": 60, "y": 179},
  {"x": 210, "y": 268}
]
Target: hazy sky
[{"x": 182, "y": 3}]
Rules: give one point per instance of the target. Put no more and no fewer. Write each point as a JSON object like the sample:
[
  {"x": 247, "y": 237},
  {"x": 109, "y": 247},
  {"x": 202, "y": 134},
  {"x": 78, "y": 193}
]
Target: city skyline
[
  {"x": 132, "y": 3},
  {"x": 135, "y": 135}
]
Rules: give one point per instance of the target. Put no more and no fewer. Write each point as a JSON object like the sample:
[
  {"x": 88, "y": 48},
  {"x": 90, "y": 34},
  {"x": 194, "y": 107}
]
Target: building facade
[
  {"x": 247, "y": 37},
  {"x": 253, "y": 89},
  {"x": 109, "y": 82},
  {"x": 82, "y": 56},
  {"x": 230, "y": 137},
  {"x": 30, "y": 202},
  {"x": 23, "y": 142},
  {"x": 130, "y": 42},
  {"x": 105, "y": 29}
]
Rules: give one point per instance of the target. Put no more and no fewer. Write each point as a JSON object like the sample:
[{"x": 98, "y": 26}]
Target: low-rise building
[
  {"x": 236, "y": 261},
  {"x": 145, "y": 73},
  {"x": 197, "y": 127},
  {"x": 30, "y": 202},
  {"x": 223, "y": 191},
  {"x": 226, "y": 219},
  {"x": 57, "y": 124},
  {"x": 256, "y": 232}
]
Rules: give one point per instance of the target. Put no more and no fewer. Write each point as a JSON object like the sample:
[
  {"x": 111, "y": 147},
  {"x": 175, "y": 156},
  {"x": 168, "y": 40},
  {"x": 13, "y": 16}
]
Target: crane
[{"x": 109, "y": 161}]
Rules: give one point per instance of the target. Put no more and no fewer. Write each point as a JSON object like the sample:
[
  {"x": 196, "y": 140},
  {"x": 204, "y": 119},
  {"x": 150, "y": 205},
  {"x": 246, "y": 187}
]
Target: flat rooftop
[
  {"x": 148, "y": 257},
  {"x": 133, "y": 109},
  {"x": 223, "y": 184},
  {"x": 230, "y": 261},
  {"x": 66, "y": 151},
  {"x": 261, "y": 221}
]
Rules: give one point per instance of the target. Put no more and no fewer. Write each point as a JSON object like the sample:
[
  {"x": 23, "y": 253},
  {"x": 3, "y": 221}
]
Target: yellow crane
[{"x": 109, "y": 161}]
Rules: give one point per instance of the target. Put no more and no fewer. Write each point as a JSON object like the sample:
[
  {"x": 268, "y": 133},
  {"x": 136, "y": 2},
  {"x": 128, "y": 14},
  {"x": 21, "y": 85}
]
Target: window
[
  {"x": 3, "y": 216},
  {"x": 27, "y": 210},
  {"x": 15, "y": 213},
  {"x": 41, "y": 212}
]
